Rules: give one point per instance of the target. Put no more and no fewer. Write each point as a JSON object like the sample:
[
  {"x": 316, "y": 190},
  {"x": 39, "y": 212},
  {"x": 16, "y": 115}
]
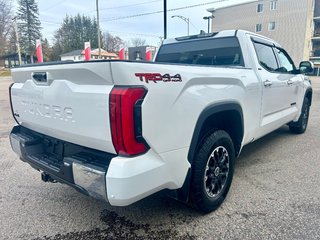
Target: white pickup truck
[{"x": 120, "y": 130}]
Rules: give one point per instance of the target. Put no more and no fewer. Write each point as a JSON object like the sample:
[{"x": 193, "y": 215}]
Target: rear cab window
[{"x": 212, "y": 52}]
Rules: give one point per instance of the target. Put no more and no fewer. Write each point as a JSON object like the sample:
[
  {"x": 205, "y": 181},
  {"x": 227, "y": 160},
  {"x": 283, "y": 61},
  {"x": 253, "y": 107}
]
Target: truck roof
[{"x": 224, "y": 33}]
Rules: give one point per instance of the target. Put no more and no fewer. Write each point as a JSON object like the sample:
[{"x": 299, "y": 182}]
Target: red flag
[
  {"x": 39, "y": 51},
  {"x": 122, "y": 54},
  {"x": 87, "y": 51},
  {"x": 148, "y": 54}
]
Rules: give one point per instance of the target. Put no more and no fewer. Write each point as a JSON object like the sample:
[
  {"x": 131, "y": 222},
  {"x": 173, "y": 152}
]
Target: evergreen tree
[
  {"x": 73, "y": 32},
  {"x": 29, "y": 25}
]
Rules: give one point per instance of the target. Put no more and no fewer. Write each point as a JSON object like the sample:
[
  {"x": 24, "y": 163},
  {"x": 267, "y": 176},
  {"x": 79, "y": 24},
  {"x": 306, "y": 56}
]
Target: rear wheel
[
  {"x": 212, "y": 171},
  {"x": 301, "y": 125}
]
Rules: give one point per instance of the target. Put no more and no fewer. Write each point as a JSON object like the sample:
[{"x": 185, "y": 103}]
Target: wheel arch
[
  {"x": 308, "y": 94},
  {"x": 225, "y": 116}
]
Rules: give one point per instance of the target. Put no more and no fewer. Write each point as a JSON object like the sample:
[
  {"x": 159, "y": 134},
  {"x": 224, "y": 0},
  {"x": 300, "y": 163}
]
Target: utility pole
[
  {"x": 208, "y": 18},
  {"x": 98, "y": 26},
  {"x": 17, "y": 39},
  {"x": 165, "y": 18}
]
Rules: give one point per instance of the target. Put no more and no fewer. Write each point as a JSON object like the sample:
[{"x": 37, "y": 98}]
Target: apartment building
[
  {"x": 295, "y": 24},
  {"x": 315, "y": 39}
]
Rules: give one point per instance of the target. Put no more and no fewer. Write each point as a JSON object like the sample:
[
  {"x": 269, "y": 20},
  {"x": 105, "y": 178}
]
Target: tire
[
  {"x": 300, "y": 126},
  {"x": 212, "y": 171}
]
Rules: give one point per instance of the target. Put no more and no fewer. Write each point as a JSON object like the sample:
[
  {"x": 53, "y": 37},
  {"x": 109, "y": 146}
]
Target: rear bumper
[
  {"x": 115, "y": 179},
  {"x": 82, "y": 168}
]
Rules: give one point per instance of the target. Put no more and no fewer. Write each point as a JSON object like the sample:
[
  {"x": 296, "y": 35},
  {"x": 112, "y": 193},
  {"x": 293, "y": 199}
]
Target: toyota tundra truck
[{"x": 122, "y": 130}]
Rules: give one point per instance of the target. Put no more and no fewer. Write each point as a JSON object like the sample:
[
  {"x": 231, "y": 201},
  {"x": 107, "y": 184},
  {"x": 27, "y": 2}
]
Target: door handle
[
  {"x": 267, "y": 83},
  {"x": 40, "y": 76},
  {"x": 290, "y": 82}
]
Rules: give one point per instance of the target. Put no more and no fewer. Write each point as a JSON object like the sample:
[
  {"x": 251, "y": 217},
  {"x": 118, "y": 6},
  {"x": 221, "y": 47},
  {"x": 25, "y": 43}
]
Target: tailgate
[{"x": 66, "y": 101}]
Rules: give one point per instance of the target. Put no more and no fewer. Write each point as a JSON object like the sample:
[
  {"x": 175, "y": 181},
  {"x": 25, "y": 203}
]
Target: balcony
[
  {"x": 316, "y": 35},
  {"x": 315, "y": 54},
  {"x": 316, "y": 8}
]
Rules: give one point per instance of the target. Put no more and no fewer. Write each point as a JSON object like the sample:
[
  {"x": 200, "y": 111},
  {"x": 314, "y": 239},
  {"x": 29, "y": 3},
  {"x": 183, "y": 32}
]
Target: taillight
[{"x": 125, "y": 118}]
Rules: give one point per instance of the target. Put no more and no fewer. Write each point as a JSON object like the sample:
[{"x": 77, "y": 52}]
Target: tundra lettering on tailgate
[
  {"x": 156, "y": 77},
  {"x": 48, "y": 111}
]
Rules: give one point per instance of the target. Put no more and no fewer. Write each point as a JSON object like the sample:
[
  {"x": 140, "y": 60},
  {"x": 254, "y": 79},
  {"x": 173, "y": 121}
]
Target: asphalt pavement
[{"x": 275, "y": 194}]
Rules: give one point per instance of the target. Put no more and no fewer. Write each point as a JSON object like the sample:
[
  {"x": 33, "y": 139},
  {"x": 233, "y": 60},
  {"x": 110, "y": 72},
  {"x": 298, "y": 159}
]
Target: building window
[
  {"x": 273, "y": 5},
  {"x": 272, "y": 26},
  {"x": 259, "y": 7},
  {"x": 258, "y": 27}
]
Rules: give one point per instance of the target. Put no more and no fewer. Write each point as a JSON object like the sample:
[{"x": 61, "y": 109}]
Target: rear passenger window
[{"x": 266, "y": 57}]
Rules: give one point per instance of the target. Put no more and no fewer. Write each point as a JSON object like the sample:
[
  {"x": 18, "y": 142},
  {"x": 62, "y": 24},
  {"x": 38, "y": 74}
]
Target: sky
[{"x": 119, "y": 17}]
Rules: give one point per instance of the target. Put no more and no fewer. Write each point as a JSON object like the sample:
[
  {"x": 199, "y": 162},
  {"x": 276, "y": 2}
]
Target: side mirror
[{"x": 306, "y": 67}]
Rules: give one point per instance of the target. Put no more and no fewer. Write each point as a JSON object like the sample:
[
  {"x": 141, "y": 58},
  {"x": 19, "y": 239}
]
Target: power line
[
  {"x": 161, "y": 11},
  {"x": 194, "y": 26},
  {"x": 101, "y": 9},
  {"x": 54, "y": 23},
  {"x": 141, "y": 14},
  {"x": 137, "y": 34},
  {"x": 116, "y": 32},
  {"x": 124, "y": 6},
  {"x": 132, "y": 16},
  {"x": 52, "y": 6}
]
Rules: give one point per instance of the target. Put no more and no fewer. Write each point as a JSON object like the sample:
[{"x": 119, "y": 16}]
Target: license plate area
[
  {"x": 53, "y": 150},
  {"x": 53, "y": 153}
]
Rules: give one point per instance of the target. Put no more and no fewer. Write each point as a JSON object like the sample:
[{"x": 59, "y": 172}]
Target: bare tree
[
  {"x": 5, "y": 24},
  {"x": 112, "y": 43},
  {"x": 136, "y": 42},
  {"x": 12, "y": 42}
]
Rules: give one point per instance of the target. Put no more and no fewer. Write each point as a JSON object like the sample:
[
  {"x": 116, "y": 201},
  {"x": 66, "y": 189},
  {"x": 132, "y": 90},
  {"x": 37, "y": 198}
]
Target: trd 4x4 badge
[{"x": 156, "y": 77}]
